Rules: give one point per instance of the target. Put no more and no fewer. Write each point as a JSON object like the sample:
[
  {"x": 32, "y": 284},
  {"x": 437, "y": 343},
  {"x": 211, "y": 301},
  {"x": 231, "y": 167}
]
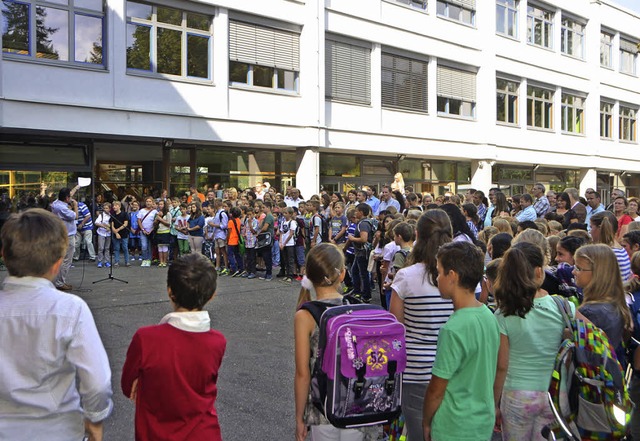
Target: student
[
  {"x": 163, "y": 233},
  {"x": 175, "y": 212},
  {"x": 403, "y": 236},
  {"x": 349, "y": 249},
  {"x": 181, "y": 224},
  {"x": 287, "y": 243},
  {"x": 250, "y": 232},
  {"x": 104, "y": 235},
  {"x": 266, "y": 226},
  {"x": 604, "y": 227},
  {"x": 146, "y": 217},
  {"x": 195, "y": 228},
  {"x": 386, "y": 262},
  {"x": 531, "y": 328},
  {"x": 362, "y": 245},
  {"x": 134, "y": 234},
  {"x": 315, "y": 227},
  {"x": 171, "y": 369},
  {"x": 119, "y": 233},
  {"x": 325, "y": 272},
  {"x": 338, "y": 226},
  {"x": 56, "y": 380},
  {"x": 459, "y": 400},
  {"x": 233, "y": 241},
  {"x": 300, "y": 242},
  {"x": 220, "y": 224}
]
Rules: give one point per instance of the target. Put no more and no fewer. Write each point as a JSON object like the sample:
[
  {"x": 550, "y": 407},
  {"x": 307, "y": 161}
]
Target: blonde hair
[
  {"x": 503, "y": 226},
  {"x": 606, "y": 282},
  {"x": 535, "y": 237},
  {"x": 324, "y": 266},
  {"x": 633, "y": 226},
  {"x": 486, "y": 234},
  {"x": 543, "y": 227},
  {"x": 554, "y": 226}
]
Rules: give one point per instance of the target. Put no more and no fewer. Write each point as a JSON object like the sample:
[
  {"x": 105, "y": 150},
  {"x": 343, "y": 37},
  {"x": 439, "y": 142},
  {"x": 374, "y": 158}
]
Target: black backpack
[{"x": 324, "y": 227}]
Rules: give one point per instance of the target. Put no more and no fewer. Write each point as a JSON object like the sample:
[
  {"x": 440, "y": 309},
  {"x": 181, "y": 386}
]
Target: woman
[
  {"x": 633, "y": 209},
  {"x": 531, "y": 327},
  {"x": 563, "y": 208},
  {"x": 400, "y": 198},
  {"x": 515, "y": 204},
  {"x": 196, "y": 227},
  {"x": 471, "y": 214},
  {"x": 351, "y": 200},
  {"x": 398, "y": 184},
  {"x": 416, "y": 302},
  {"x": 502, "y": 208},
  {"x": 336, "y": 197},
  {"x": 620, "y": 206},
  {"x": 604, "y": 302},
  {"x": 324, "y": 273},
  {"x": 604, "y": 227},
  {"x": 163, "y": 232}
]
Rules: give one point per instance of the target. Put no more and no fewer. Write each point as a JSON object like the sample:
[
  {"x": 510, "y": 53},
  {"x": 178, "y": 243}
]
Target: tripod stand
[{"x": 110, "y": 275}]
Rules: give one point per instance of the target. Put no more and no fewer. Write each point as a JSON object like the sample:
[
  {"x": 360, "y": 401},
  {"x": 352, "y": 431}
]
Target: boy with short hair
[
  {"x": 362, "y": 245},
  {"x": 338, "y": 225},
  {"x": 403, "y": 236},
  {"x": 250, "y": 232},
  {"x": 315, "y": 227},
  {"x": 186, "y": 360},
  {"x": 104, "y": 235},
  {"x": 220, "y": 223},
  {"x": 300, "y": 240},
  {"x": 461, "y": 387},
  {"x": 119, "y": 223},
  {"x": 288, "y": 229},
  {"x": 134, "y": 235}
]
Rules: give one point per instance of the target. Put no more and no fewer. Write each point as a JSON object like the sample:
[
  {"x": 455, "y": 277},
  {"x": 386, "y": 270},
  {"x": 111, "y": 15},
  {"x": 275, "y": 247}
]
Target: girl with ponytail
[{"x": 531, "y": 327}]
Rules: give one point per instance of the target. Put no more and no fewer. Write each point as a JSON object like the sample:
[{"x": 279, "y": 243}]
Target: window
[
  {"x": 507, "y": 101},
  {"x": 606, "y": 49},
  {"x": 420, "y": 4},
  {"x": 459, "y": 10},
  {"x": 572, "y": 113},
  {"x": 168, "y": 41},
  {"x": 507, "y": 17},
  {"x": 456, "y": 92},
  {"x": 628, "y": 124},
  {"x": 628, "y": 56},
  {"x": 539, "y": 27},
  {"x": 348, "y": 72},
  {"x": 539, "y": 108},
  {"x": 572, "y": 38},
  {"x": 263, "y": 57},
  {"x": 62, "y": 30},
  {"x": 606, "y": 119},
  {"x": 404, "y": 82}
]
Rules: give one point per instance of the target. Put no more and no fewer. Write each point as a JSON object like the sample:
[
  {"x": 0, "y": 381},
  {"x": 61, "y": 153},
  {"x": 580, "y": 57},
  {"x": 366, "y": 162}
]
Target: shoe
[
  {"x": 224, "y": 272},
  {"x": 236, "y": 274},
  {"x": 92, "y": 259},
  {"x": 269, "y": 277},
  {"x": 243, "y": 274},
  {"x": 251, "y": 276},
  {"x": 116, "y": 265},
  {"x": 65, "y": 287},
  {"x": 298, "y": 278},
  {"x": 108, "y": 265},
  {"x": 287, "y": 279},
  {"x": 139, "y": 257},
  {"x": 127, "y": 264},
  {"x": 99, "y": 264},
  {"x": 75, "y": 259},
  {"x": 145, "y": 263},
  {"x": 281, "y": 274}
]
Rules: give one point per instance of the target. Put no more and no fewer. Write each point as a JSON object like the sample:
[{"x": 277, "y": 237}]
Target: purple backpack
[{"x": 357, "y": 378}]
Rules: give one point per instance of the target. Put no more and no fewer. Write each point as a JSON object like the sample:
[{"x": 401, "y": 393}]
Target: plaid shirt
[
  {"x": 250, "y": 239},
  {"x": 542, "y": 206}
]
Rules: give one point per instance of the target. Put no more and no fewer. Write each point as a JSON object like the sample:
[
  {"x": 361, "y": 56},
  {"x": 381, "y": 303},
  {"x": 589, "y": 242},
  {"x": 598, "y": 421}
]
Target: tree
[
  {"x": 95, "y": 56},
  {"x": 44, "y": 45},
  {"x": 15, "y": 38}
]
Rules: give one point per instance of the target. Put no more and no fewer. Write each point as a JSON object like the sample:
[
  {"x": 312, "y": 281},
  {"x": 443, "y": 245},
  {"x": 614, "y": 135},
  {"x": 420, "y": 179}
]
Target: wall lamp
[
  {"x": 167, "y": 143},
  {"x": 402, "y": 157}
]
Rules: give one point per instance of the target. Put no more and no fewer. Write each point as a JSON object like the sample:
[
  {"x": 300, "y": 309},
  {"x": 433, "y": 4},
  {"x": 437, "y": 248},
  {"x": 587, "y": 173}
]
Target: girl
[
  {"x": 325, "y": 271},
  {"x": 604, "y": 305},
  {"x": 104, "y": 235},
  {"x": 620, "y": 206},
  {"x": 163, "y": 232},
  {"x": 249, "y": 231},
  {"x": 181, "y": 225},
  {"x": 604, "y": 227},
  {"x": 531, "y": 327},
  {"x": 233, "y": 242},
  {"x": 195, "y": 228},
  {"x": 416, "y": 302},
  {"x": 351, "y": 200}
]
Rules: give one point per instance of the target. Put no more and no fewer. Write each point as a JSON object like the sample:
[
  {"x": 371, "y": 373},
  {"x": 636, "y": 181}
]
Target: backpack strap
[
  {"x": 316, "y": 309},
  {"x": 565, "y": 310}
]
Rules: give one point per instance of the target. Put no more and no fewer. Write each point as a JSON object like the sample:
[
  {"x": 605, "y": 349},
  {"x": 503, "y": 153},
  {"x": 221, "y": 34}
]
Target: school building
[{"x": 329, "y": 94}]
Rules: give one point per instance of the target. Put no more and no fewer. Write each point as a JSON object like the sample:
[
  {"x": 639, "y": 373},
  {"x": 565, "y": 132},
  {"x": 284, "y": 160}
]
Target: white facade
[{"x": 41, "y": 97}]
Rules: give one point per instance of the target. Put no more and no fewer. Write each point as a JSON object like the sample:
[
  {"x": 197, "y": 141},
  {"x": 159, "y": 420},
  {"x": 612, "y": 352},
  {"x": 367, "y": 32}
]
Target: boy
[
  {"x": 208, "y": 245},
  {"x": 338, "y": 226},
  {"x": 181, "y": 224},
  {"x": 403, "y": 236},
  {"x": 288, "y": 229},
  {"x": 233, "y": 242},
  {"x": 146, "y": 225},
  {"x": 362, "y": 245},
  {"x": 56, "y": 380},
  {"x": 175, "y": 212},
  {"x": 134, "y": 235},
  {"x": 184, "y": 366},
  {"x": 461, "y": 387},
  {"x": 104, "y": 235},
  {"x": 220, "y": 222},
  {"x": 250, "y": 231},
  {"x": 349, "y": 250},
  {"x": 119, "y": 223},
  {"x": 300, "y": 240},
  {"x": 315, "y": 227}
]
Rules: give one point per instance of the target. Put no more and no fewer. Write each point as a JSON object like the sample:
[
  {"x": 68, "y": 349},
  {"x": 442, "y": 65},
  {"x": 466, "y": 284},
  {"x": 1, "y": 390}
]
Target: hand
[
  {"x": 93, "y": 430},
  {"x": 427, "y": 433},
  {"x": 301, "y": 431},
  {"x": 498, "y": 424},
  {"x": 134, "y": 390},
  {"x": 351, "y": 237},
  {"x": 118, "y": 235}
]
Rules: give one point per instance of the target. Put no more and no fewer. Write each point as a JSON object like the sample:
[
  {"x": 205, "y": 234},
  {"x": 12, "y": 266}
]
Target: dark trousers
[
  {"x": 235, "y": 258},
  {"x": 288, "y": 260},
  {"x": 348, "y": 277},
  {"x": 360, "y": 276},
  {"x": 251, "y": 260},
  {"x": 265, "y": 253}
]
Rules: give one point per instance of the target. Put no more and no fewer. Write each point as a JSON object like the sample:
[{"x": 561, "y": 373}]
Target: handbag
[
  {"x": 241, "y": 246},
  {"x": 264, "y": 240}
]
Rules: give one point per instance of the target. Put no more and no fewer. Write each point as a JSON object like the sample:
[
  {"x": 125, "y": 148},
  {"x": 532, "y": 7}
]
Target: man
[
  {"x": 593, "y": 205},
  {"x": 361, "y": 241},
  {"x": 66, "y": 209},
  {"x": 293, "y": 199},
  {"x": 84, "y": 234},
  {"x": 372, "y": 200},
  {"x": 478, "y": 201},
  {"x": 386, "y": 200},
  {"x": 468, "y": 196},
  {"x": 615, "y": 193},
  {"x": 542, "y": 204},
  {"x": 56, "y": 380},
  {"x": 581, "y": 210},
  {"x": 488, "y": 217},
  {"x": 211, "y": 196},
  {"x": 194, "y": 192},
  {"x": 551, "y": 197},
  {"x": 528, "y": 212},
  {"x": 361, "y": 196},
  {"x": 427, "y": 199}
]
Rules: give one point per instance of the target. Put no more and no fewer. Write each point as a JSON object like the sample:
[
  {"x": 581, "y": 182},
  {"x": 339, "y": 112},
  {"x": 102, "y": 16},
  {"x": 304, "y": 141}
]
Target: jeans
[
  {"x": 412, "y": 404},
  {"x": 348, "y": 277},
  {"x": 104, "y": 243},
  {"x": 524, "y": 414},
  {"x": 265, "y": 252},
  {"x": 85, "y": 237},
  {"x": 235, "y": 258},
  {"x": 117, "y": 245},
  {"x": 360, "y": 276},
  {"x": 634, "y": 394},
  {"x": 145, "y": 243},
  {"x": 275, "y": 252},
  {"x": 61, "y": 278}
]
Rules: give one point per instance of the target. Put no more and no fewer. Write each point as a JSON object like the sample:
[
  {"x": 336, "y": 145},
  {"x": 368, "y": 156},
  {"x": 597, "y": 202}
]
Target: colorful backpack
[
  {"x": 357, "y": 377},
  {"x": 599, "y": 404}
]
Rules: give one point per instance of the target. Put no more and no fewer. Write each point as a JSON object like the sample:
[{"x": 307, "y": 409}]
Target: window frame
[
  {"x": 531, "y": 19},
  {"x": 606, "y": 120},
  {"x": 577, "y": 126},
  {"x": 412, "y": 77},
  {"x": 632, "y": 117},
  {"x": 460, "y": 4},
  {"x": 566, "y": 30},
  {"x": 420, "y": 5},
  {"x": 507, "y": 102},
  {"x": 609, "y": 45},
  {"x": 154, "y": 26},
  {"x": 545, "y": 102},
  {"x": 508, "y": 11},
  {"x": 72, "y": 12},
  {"x": 354, "y": 46},
  {"x": 632, "y": 53},
  {"x": 446, "y": 100}
]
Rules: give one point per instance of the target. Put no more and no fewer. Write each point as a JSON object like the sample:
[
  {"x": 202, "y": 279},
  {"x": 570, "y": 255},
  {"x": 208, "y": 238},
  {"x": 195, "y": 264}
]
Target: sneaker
[
  {"x": 108, "y": 265},
  {"x": 224, "y": 272},
  {"x": 139, "y": 257},
  {"x": 281, "y": 274},
  {"x": 298, "y": 278},
  {"x": 265, "y": 277},
  {"x": 99, "y": 264},
  {"x": 146, "y": 263},
  {"x": 244, "y": 273},
  {"x": 236, "y": 274},
  {"x": 287, "y": 279},
  {"x": 93, "y": 259},
  {"x": 65, "y": 287},
  {"x": 127, "y": 264},
  {"x": 75, "y": 259},
  {"x": 251, "y": 276},
  {"x": 116, "y": 265}
]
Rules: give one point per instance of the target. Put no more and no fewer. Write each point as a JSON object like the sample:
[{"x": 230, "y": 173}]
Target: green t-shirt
[
  {"x": 467, "y": 356},
  {"x": 533, "y": 344},
  {"x": 269, "y": 219}
]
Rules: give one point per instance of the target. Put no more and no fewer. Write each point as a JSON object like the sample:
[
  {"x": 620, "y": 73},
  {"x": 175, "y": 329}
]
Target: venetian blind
[
  {"x": 404, "y": 82},
  {"x": 456, "y": 84},
  {"x": 255, "y": 44},
  {"x": 348, "y": 72}
]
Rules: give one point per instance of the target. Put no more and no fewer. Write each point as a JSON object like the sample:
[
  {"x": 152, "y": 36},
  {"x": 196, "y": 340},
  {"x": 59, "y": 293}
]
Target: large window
[
  {"x": 459, "y": 10},
  {"x": 507, "y": 17},
  {"x": 628, "y": 124},
  {"x": 263, "y": 57},
  {"x": 348, "y": 72},
  {"x": 507, "y": 101},
  {"x": 539, "y": 108},
  {"x": 539, "y": 27},
  {"x": 62, "y": 30},
  {"x": 168, "y": 41},
  {"x": 420, "y": 4},
  {"x": 572, "y": 113},
  {"x": 606, "y": 120},
  {"x": 606, "y": 49},
  {"x": 628, "y": 56},
  {"x": 456, "y": 92},
  {"x": 572, "y": 38},
  {"x": 404, "y": 82}
]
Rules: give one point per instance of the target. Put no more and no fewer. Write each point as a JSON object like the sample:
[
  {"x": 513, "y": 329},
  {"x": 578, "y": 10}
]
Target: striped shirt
[
  {"x": 623, "y": 262},
  {"x": 425, "y": 313},
  {"x": 83, "y": 211}
]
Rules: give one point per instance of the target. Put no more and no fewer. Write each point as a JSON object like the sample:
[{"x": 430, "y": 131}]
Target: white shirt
[
  {"x": 285, "y": 227},
  {"x": 51, "y": 360},
  {"x": 103, "y": 218}
]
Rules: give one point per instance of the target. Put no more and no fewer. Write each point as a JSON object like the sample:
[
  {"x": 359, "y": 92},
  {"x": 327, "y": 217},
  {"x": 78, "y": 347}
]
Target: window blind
[
  {"x": 348, "y": 72},
  {"x": 254, "y": 44},
  {"x": 467, "y": 4},
  {"x": 404, "y": 82},
  {"x": 628, "y": 46},
  {"x": 456, "y": 84}
]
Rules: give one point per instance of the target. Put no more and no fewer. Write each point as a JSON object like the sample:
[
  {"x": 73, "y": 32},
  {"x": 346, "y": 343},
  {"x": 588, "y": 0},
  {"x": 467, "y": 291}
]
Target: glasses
[{"x": 581, "y": 270}]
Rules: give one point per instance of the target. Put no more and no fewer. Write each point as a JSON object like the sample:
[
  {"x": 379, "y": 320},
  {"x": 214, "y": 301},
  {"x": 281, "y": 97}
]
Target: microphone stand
[{"x": 110, "y": 275}]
